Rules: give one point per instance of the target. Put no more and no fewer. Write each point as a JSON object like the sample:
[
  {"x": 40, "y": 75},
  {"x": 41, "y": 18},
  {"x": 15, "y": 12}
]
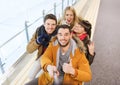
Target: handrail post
[
  {"x": 43, "y": 12},
  {"x": 62, "y": 5},
  {"x": 26, "y": 30},
  {"x": 68, "y": 2},
  {"x": 1, "y": 66},
  {"x": 72, "y": 2},
  {"x": 55, "y": 9}
]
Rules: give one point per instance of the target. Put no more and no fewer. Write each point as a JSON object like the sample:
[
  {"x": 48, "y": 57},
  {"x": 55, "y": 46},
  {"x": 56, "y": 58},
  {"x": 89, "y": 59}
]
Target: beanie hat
[{"x": 87, "y": 26}]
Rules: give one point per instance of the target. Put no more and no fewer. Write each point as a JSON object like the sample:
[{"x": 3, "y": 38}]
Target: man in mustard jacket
[{"x": 63, "y": 62}]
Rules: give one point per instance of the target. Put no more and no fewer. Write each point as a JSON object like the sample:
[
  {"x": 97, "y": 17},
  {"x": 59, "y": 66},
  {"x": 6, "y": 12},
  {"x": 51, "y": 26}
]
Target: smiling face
[
  {"x": 69, "y": 16},
  {"x": 64, "y": 37},
  {"x": 50, "y": 26},
  {"x": 78, "y": 29}
]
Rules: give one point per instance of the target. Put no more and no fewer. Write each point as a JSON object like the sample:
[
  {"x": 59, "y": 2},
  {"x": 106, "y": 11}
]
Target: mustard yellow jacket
[{"x": 79, "y": 63}]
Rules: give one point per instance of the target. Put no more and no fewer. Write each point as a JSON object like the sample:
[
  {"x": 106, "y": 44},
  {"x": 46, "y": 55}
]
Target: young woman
[
  {"x": 69, "y": 17},
  {"x": 82, "y": 30}
]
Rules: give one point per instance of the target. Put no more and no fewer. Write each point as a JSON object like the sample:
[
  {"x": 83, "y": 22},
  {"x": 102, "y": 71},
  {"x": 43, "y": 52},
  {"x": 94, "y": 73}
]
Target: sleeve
[
  {"x": 32, "y": 45},
  {"x": 90, "y": 57},
  {"x": 83, "y": 71},
  {"x": 47, "y": 57}
]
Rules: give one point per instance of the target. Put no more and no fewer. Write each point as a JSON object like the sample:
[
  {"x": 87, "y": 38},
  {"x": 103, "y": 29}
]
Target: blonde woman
[{"x": 69, "y": 17}]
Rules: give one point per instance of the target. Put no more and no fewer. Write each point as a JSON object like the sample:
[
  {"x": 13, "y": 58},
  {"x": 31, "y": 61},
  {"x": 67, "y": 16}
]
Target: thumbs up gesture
[{"x": 67, "y": 68}]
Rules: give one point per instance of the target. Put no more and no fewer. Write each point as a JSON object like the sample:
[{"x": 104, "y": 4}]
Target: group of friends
[{"x": 65, "y": 51}]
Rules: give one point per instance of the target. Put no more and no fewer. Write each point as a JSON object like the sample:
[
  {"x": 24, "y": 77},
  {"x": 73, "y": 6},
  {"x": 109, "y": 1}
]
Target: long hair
[
  {"x": 75, "y": 19},
  {"x": 87, "y": 26},
  {"x": 74, "y": 14}
]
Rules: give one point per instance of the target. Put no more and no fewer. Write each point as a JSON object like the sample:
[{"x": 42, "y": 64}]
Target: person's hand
[
  {"x": 43, "y": 39},
  {"x": 52, "y": 70},
  {"x": 40, "y": 39},
  {"x": 91, "y": 48},
  {"x": 65, "y": 22},
  {"x": 47, "y": 37},
  {"x": 67, "y": 68}
]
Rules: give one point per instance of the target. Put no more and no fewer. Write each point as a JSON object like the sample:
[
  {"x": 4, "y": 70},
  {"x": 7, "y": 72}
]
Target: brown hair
[
  {"x": 50, "y": 16},
  {"x": 87, "y": 26},
  {"x": 64, "y": 26}
]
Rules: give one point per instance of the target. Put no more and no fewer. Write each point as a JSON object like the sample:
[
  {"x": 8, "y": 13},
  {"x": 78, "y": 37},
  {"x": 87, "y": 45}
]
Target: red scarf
[{"x": 83, "y": 36}]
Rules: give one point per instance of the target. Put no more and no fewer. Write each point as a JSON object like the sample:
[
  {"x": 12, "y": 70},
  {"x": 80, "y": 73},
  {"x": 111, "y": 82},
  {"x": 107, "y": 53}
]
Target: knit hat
[{"x": 87, "y": 26}]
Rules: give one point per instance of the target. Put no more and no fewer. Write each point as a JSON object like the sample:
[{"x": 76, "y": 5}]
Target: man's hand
[
  {"x": 67, "y": 68},
  {"x": 52, "y": 70},
  {"x": 43, "y": 39}
]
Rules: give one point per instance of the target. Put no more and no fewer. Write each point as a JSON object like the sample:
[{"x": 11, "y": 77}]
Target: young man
[
  {"x": 63, "y": 62},
  {"x": 40, "y": 41}
]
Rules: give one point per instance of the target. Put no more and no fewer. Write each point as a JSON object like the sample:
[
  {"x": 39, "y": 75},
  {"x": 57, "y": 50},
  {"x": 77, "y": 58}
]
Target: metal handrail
[
  {"x": 26, "y": 29},
  {"x": 28, "y": 26}
]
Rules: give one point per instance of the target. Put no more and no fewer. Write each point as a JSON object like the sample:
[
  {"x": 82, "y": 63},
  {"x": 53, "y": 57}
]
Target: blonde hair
[{"x": 74, "y": 14}]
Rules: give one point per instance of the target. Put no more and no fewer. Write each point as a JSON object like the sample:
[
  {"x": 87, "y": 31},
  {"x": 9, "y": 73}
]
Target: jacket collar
[{"x": 74, "y": 45}]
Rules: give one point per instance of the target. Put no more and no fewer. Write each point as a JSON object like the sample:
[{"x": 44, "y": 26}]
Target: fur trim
[
  {"x": 76, "y": 39},
  {"x": 54, "y": 40},
  {"x": 80, "y": 44}
]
